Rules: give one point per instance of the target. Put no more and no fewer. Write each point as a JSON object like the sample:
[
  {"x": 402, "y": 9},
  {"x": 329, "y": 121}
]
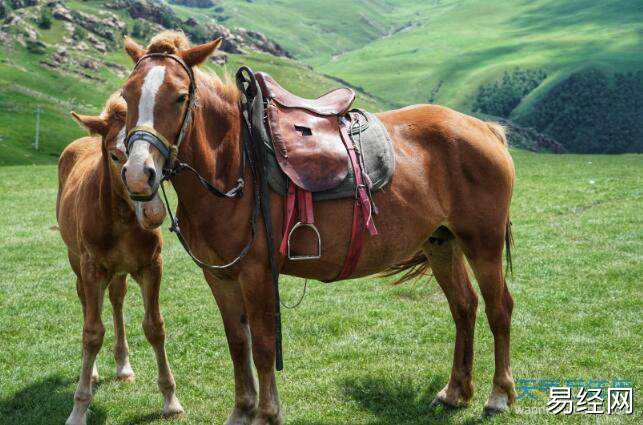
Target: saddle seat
[
  {"x": 306, "y": 134},
  {"x": 335, "y": 102}
]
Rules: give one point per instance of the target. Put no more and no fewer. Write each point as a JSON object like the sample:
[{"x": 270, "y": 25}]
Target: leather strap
[
  {"x": 363, "y": 204},
  {"x": 289, "y": 216},
  {"x": 361, "y": 195}
]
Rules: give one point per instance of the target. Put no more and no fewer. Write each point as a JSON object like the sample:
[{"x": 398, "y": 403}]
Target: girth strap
[{"x": 363, "y": 203}]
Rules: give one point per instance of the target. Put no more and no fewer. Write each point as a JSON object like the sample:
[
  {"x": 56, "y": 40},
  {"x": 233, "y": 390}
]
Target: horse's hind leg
[
  {"x": 117, "y": 291},
  {"x": 94, "y": 282},
  {"x": 485, "y": 256},
  {"x": 448, "y": 265},
  {"x": 154, "y": 328}
]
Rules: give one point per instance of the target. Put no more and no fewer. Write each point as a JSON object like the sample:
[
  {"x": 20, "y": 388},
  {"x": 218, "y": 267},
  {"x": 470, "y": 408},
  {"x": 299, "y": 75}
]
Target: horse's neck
[
  {"x": 213, "y": 146},
  {"x": 111, "y": 204}
]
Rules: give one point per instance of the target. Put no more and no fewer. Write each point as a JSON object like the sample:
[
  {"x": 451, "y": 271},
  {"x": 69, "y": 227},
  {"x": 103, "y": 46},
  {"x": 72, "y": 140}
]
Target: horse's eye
[
  {"x": 181, "y": 98},
  {"x": 114, "y": 157}
]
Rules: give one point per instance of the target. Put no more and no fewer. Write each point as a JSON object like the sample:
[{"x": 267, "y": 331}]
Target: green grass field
[{"x": 359, "y": 352}]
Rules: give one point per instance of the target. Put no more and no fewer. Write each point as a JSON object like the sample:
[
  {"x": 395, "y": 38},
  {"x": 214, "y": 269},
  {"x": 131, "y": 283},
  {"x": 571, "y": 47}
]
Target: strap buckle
[{"x": 305, "y": 257}]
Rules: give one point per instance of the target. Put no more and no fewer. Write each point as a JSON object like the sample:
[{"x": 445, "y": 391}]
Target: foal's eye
[
  {"x": 181, "y": 98},
  {"x": 114, "y": 157}
]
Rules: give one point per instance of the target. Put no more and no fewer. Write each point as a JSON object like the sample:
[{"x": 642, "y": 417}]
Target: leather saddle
[{"x": 306, "y": 134}]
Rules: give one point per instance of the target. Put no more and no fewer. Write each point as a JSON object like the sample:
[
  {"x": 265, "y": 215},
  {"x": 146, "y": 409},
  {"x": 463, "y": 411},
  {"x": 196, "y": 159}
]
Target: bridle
[{"x": 174, "y": 166}]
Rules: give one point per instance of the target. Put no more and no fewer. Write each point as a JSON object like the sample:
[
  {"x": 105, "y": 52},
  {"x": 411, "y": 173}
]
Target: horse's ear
[
  {"x": 133, "y": 49},
  {"x": 95, "y": 124},
  {"x": 198, "y": 54}
]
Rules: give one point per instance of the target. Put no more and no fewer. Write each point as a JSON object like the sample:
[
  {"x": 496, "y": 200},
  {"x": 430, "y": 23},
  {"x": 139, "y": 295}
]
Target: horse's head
[
  {"x": 160, "y": 96},
  {"x": 110, "y": 126}
]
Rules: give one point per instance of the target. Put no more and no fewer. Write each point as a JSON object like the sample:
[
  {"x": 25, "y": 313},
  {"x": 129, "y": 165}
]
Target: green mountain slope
[
  {"x": 26, "y": 82},
  {"x": 442, "y": 51}
]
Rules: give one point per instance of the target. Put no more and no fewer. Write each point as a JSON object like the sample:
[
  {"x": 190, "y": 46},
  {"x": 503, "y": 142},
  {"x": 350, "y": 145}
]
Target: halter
[
  {"x": 168, "y": 150},
  {"x": 149, "y": 134}
]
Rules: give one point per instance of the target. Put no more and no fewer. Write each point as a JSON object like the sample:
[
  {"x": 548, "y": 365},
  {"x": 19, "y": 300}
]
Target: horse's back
[
  {"x": 449, "y": 136},
  {"x": 76, "y": 176}
]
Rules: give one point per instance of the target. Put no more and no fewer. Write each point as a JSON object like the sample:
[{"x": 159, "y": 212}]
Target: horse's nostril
[{"x": 151, "y": 176}]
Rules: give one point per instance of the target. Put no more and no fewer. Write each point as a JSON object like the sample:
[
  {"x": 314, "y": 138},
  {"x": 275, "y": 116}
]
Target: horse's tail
[
  {"x": 509, "y": 242},
  {"x": 416, "y": 266},
  {"x": 499, "y": 131}
]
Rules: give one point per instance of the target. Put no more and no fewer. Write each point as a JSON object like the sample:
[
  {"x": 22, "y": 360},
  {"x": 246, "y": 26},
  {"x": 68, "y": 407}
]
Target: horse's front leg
[
  {"x": 94, "y": 280},
  {"x": 231, "y": 305},
  {"x": 154, "y": 328},
  {"x": 259, "y": 296}
]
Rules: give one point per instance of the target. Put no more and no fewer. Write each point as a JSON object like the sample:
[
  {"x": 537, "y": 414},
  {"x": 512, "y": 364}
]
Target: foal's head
[
  {"x": 110, "y": 126},
  {"x": 158, "y": 97}
]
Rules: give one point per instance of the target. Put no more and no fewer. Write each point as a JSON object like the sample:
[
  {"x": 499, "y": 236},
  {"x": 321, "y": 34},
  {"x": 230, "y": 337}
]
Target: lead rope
[{"x": 301, "y": 298}]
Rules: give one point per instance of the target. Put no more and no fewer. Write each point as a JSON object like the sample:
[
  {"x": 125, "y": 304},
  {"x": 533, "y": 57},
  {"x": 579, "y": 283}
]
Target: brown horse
[
  {"x": 100, "y": 226},
  {"x": 447, "y": 203}
]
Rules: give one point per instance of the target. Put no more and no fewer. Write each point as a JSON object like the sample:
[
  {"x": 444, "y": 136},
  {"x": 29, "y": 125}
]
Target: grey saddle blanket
[{"x": 371, "y": 140}]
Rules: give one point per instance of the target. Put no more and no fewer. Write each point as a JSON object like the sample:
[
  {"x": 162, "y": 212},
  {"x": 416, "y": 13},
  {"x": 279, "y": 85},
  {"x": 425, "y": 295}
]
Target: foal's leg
[
  {"x": 259, "y": 297},
  {"x": 153, "y": 326},
  {"x": 75, "y": 265},
  {"x": 230, "y": 301},
  {"x": 486, "y": 261},
  {"x": 117, "y": 291},
  {"x": 94, "y": 281},
  {"x": 448, "y": 265}
]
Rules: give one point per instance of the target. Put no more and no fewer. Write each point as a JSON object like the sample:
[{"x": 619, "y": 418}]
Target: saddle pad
[{"x": 375, "y": 146}]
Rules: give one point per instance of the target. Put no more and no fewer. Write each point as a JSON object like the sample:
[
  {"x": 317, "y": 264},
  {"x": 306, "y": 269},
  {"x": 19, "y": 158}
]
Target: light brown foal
[
  {"x": 105, "y": 242},
  {"x": 447, "y": 204}
]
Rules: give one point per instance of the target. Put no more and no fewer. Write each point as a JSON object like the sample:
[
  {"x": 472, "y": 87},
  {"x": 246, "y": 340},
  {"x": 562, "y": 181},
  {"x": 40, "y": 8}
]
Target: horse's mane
[
  {"x": 172, "y": 42},
  {"x": 115, "y": 108}
]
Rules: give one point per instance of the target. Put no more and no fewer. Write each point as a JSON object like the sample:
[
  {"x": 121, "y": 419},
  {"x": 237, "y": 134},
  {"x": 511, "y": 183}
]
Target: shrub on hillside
[
  {"x": 45, "y": 19},
  {"x": 593, "y": 112},
  {"x": 79, "y": 33},
  {"x": 141, "y": 29},
  {"x": 502, "y": 96},
  {"x": 203, "y": 4}
]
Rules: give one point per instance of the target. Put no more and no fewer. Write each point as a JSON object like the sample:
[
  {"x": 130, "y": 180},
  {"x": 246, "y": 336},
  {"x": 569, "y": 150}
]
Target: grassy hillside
[
  {"x": 359, "y": 352},
  {"x": 26, "y": 83},
  {"x": 443, "y": 50}
]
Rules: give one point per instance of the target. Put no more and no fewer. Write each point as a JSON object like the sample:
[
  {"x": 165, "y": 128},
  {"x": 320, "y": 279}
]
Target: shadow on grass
[
  {"x": 396, "y": 401},
  {"x": 48, "y": 401}
]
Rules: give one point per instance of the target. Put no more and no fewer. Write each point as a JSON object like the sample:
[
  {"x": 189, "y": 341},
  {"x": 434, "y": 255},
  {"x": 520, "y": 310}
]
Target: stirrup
[{"x": 305, "y": 257}]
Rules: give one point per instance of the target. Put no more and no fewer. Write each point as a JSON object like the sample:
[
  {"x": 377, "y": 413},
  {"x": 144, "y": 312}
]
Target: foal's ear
[
  {"x": 133, "y": 49},
  {"x": 198, "y": 54},
  {"x": 95, "y": 124}
]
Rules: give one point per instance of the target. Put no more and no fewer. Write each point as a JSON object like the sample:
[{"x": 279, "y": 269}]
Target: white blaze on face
[
  {"x": 140, "y": 150},
  {"x": 150, "y": 89}
]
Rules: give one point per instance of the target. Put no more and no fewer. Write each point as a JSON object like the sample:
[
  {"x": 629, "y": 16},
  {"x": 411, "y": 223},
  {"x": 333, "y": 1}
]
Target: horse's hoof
[
  {"x": 489, "y": 411},
  {"x": 263, "y": 420},
  {"x": 95, "y": 379},
  {"x": 241, "y": 417},
  {"x": 76, "y": 419},
  {"x": 173, "y": 409},
  {"x": 445, "y": 405},
  {"x": 125, "y": 378}
]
